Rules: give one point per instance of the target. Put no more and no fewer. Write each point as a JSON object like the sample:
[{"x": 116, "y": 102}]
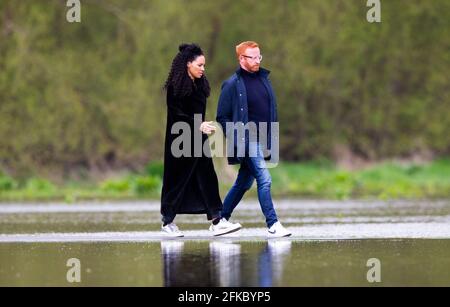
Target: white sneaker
[
  {"x": 277, "y": 231},
  {"x": 224, "y": 227},
  {"x": 172, "y": 230}
]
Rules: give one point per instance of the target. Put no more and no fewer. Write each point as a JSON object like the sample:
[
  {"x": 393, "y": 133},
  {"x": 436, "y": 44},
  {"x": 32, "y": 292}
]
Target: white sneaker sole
[
  {"x": 227, "y": 230},
  {"x": 172, "y": 235}
]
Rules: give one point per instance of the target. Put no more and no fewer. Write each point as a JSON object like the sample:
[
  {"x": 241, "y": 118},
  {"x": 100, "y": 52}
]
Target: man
[{"x": 247, "y": 99}]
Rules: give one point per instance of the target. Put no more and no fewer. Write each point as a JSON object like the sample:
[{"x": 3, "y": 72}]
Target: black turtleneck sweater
[{"x": 258, "y": 99}]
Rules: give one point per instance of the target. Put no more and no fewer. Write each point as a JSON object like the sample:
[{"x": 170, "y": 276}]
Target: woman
[{"x": 190, "y": 183}]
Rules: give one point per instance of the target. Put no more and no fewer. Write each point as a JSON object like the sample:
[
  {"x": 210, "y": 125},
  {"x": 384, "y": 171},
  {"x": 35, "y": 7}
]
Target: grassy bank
[
  {"x": 308, "y": 180},
  {"x": 383, "y": 181}
]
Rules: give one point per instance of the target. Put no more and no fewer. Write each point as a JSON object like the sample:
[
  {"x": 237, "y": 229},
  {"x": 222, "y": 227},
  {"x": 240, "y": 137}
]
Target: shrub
[
  {"x": 115, "y": 185},
  {"x": 144, "y": 185},
  {"x": 7, "y": 184},
  {"x": 155, "y": 168}
]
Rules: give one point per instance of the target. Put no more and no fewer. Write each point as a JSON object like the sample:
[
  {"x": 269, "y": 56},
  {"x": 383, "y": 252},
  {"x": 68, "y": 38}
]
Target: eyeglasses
[{"x": 253, "y": 58}]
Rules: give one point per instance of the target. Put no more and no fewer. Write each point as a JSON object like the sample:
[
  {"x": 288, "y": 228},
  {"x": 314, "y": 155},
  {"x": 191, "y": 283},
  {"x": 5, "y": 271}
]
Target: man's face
[{"x": 251, "y": 59}]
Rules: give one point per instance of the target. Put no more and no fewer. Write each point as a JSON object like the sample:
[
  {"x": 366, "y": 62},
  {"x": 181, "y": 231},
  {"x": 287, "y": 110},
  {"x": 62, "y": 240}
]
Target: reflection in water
[
  {"x": 271, "y": 262},
  {"x": 225, "y": 265},
  {"x": 183, "y": 262},
  {"x": 169, "y": 252}
]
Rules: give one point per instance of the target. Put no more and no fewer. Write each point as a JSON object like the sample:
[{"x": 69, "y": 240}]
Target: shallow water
[
  {"x": 119, "y": 244},
  {"x": 407, "y": 262}
]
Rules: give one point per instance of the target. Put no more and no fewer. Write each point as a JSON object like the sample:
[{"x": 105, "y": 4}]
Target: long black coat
[{"x": 190, "y": 184}]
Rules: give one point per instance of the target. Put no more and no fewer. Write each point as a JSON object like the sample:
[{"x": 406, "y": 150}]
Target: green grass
[
  {"x": 383, "y": 181},
  {"x": 307, "y": 180}
]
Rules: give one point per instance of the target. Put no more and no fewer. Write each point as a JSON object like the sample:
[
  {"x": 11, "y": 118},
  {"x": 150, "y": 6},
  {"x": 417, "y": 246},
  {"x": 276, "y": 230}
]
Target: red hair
[{"x": 242, "y": 47}]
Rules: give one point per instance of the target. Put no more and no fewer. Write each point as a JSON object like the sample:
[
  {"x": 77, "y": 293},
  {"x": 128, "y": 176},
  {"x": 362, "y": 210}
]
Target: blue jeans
[{"x": 252, "y": 167}]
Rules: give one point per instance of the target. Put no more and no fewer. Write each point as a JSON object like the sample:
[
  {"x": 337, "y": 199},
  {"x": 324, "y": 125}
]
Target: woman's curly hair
[{"x": 178, "y": 77}]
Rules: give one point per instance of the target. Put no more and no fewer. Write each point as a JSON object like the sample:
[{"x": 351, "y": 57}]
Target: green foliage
[
  {"x": 89, "y": 95},
  {"x": 7, "y": 183},
  {"x": 115, "y": 185},
  {"x": 146, "y": 185},
  {"x": 133, "y": 185},
  {"x": 39, "y": 185},
  {"x": 155, "y": 168},
  {"x": 385, "y": 181},
  {"x": 311, "y": 179}
]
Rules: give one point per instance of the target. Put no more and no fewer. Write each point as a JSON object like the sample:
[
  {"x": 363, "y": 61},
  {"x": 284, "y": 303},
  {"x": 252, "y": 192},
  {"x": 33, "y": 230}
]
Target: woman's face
[{"x": 196, "y": 68}]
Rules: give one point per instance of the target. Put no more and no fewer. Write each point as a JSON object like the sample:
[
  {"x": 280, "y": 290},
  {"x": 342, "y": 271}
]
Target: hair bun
[
  {"x": 190, "y": 48},
  {"x": 182, "y": 47}
]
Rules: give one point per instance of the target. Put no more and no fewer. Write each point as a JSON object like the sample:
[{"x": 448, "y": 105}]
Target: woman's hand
[{"x": 207, "y": 127}]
